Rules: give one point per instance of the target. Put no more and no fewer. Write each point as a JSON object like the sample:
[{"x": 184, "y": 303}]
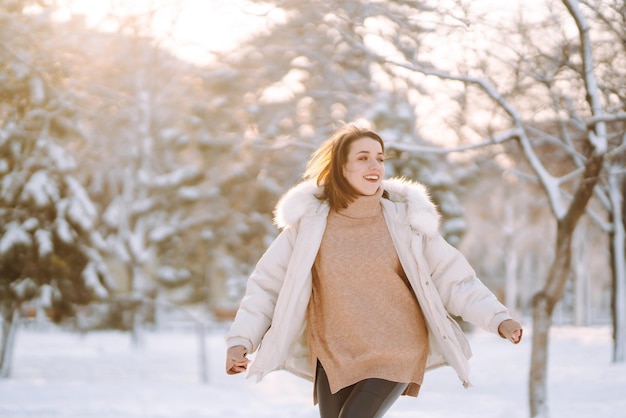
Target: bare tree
[
  {"x": 609, "y": 18},
  {"x": 557, "y": 79}
]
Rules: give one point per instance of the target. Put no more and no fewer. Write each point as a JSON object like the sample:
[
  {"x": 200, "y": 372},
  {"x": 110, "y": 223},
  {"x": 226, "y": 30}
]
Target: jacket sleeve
[
  {"x": 462, "y": 293},
  {"x": 256, "y": 309}
]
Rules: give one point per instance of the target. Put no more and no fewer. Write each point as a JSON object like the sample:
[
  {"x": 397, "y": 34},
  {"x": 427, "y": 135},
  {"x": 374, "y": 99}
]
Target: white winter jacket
[{"x": 272, "y": 314}]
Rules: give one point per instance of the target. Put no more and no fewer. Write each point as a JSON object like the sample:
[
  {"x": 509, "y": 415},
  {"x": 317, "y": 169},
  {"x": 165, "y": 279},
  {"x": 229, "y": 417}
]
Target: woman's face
[{"x": 365, "y": 167}]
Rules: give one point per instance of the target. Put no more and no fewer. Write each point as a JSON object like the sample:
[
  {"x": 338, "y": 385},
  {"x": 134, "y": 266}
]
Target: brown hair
[{"x": 327, "y": 163}]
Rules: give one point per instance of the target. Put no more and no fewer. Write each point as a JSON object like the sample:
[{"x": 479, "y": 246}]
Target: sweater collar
[{"x": 364, "y": 206}]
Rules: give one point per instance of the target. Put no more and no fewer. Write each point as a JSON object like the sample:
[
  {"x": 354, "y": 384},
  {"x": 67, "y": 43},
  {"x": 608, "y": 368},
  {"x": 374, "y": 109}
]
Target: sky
[
  {"x": 191, "y": 28},
  {"x": 195, "y": 28},
  {"x": 62, "y": 374}
]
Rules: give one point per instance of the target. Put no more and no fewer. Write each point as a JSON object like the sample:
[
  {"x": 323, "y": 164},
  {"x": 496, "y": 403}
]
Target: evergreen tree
[{"x": 48, "y": 245}]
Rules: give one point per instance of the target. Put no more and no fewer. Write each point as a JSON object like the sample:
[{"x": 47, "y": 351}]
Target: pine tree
[{"x": 49, "y": 249}]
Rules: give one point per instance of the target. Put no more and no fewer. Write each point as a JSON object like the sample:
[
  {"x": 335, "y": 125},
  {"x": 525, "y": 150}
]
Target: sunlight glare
[{"x": 192, "y": 29}]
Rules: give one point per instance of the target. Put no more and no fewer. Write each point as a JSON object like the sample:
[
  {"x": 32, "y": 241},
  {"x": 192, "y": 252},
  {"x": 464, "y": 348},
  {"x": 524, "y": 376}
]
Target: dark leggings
[{"x": 369, "y": 398}]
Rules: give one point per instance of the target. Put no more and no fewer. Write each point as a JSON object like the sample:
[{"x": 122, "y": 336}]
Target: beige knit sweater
[{"x": 364, "y": 320}]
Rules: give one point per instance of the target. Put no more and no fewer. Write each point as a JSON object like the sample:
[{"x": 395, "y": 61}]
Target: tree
[
  {"x": 609, "y": 19},
  {"x": 284, "y": 91},
  {"x": 48, "y": 246},
  {"x": 542, "y": 73},
  {"x": 144, "y": 171}
]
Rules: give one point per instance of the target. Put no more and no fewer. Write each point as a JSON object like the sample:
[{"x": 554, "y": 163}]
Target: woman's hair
[{"x": 327, "y": 163}]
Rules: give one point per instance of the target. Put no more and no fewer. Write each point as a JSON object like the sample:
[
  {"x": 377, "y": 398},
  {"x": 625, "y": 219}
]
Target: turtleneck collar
[{"x": 364, "y": 206}]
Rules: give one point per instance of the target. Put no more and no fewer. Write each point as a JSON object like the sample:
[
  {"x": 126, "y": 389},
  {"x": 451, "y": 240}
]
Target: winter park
[{"x": 146, "y": 147}]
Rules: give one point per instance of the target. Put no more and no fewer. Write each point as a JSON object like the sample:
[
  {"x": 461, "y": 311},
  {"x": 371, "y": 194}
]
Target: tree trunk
[
  {"x": 543, "y": 306},
  {"x": 618, "y": 255},
  {"x": 537, "y": 384},
  {"x": 545, "y": 301},
  {"x": 582, "y": 289},
  {"x": 9, "y": 319}
]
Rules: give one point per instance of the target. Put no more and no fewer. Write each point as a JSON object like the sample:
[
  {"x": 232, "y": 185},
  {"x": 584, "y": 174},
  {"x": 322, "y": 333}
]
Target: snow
[
  {"x": 41, "y": 189},
  {"x": 189, "y": 194},
  {"x": 30, "y": 224},
  {"x": 160, "y": 233},
  {"x": 90, "y": 275},
  {"x": 64, "y": 231},
  {"x": 175, "y": 178},
  {"x": 9, "y": 185},
  {"x": 13, "y": 235},
  {"x": 23, "y": 286},
  {"x": 61, "y": 159},
  {"x": 46, "y": 295},
  {"x": 112, "y": 215},
  {"x": 101, "y": 374},
  {"x": 80, "y": 208},
  {"x": 172, "y": 275}
]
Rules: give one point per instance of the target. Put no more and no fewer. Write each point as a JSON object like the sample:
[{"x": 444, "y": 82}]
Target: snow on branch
[
  {"x": 498, "y": 139},
  {"x": 92, "y": 281},
  {"x": 615, "y": 117},
  {"x": 483, "y": 84},
  {"x": 61, "y": 159},
  {"x": 597, "y": 135},
  {"x": 44, "y": 242},
  {"x": 14, "y": 234},
  {"x": 64, "y": 231},
  {"x": 285, "y": 144},
  {"x": 177, "y": 178},
  {"x": 80, "y": 209},
  {"x": 41, "y": 189},
  {"x": 565, "y": 145},
  {"x": 550, "y": 184},
  {"x": 164, "y": 232}
]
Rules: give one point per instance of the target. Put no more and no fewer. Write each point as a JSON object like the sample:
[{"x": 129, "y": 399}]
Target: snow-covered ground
[{"x": 101, "y": 374}]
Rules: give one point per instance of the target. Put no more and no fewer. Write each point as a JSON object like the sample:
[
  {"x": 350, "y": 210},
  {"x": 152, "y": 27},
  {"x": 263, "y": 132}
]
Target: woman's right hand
[
  {"x": 236, "y": 361},
  {"x": 511, "y": 330}
]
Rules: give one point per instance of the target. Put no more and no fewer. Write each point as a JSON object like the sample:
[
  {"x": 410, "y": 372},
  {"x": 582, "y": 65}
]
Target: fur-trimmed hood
[{"x": 300, "y": 201}]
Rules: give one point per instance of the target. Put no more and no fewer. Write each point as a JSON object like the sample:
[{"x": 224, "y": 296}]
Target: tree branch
[
  {"x": 597, "y": 133},
  {"x": 615, "y": 117},
  {"x": 498, "y": 139}
]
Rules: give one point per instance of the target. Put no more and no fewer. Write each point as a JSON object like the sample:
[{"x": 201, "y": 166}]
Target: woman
[{"x": 358, "y": 291}]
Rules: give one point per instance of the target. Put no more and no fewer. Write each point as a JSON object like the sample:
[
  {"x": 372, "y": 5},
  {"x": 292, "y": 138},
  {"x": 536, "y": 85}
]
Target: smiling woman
[
  {"x": 193, "y": 29},
  {"x": 358, "y": 291}
]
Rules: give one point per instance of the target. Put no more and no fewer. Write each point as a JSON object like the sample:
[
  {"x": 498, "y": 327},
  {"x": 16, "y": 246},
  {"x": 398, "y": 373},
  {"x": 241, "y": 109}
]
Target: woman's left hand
[
  {"x": 511, "y": 330},
  {"x": 236, "y": 360}
]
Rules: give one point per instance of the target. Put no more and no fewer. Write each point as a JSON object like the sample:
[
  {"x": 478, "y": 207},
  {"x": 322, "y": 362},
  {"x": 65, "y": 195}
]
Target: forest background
[{"x": 138, "y": 175}]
